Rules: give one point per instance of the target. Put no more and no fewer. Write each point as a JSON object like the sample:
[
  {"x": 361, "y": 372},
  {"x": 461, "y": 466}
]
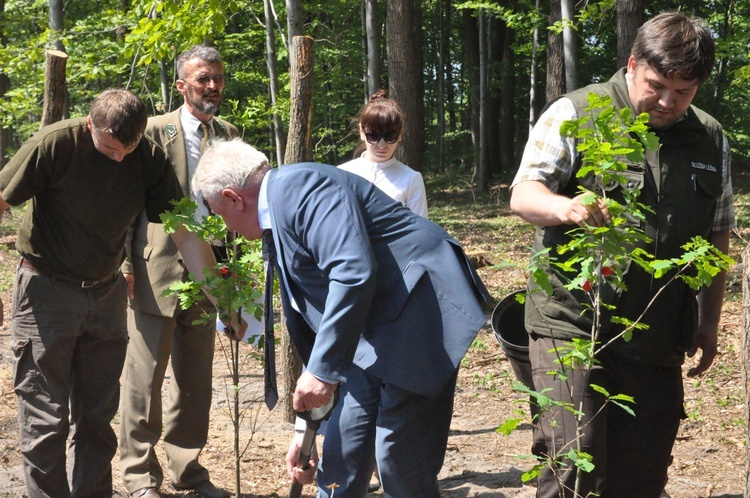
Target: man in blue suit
[{"x": 380, "y": 302}]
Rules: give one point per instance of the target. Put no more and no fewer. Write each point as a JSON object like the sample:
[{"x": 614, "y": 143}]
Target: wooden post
[
  {"x": 298, "y": 150},
  {"x": 54, "y": 87},
  {"x": 746, "y": 358}
]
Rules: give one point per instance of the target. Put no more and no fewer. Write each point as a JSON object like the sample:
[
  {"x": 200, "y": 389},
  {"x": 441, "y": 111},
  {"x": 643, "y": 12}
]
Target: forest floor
[{"x": 709, "y": 454}]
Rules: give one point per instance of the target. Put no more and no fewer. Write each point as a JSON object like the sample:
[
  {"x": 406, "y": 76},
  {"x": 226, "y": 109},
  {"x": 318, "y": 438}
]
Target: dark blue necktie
[{"x": 271, "y": 390}]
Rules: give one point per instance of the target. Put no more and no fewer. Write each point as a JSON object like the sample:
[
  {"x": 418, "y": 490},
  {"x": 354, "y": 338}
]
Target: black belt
[{"x": 83, "y": 284}]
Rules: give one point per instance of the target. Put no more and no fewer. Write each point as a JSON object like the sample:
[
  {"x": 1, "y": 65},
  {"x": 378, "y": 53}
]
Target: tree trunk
[
  {"x": 372, "y": 30},
  {"x": 507, "y": 103},
  {"x": 570, "y": 44},
  {"x": 496, "y": 29},
  {"x": 482, "y": 175},
  {"x": 746, "y": 357},
  {"x": 555, "y": 61},
  {"x": 54, "y": 87},
  {"x": 721, "y": 68},
  {"x": 405, "y": 76},
  {"x": 57, "y": 22},
  {"x": 273, "y": 85},
  {"x": 534, "y": 75},
  {"x": 294, "y": 21},
  {"x": 297, "y": 150},
  {"x": 442, "y": 56},
  {"x": 471, "y": 50},
  {"x": 630, "y": 16}
]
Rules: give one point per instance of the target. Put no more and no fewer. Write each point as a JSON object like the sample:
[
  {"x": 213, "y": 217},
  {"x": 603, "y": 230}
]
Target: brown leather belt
[{"x": 83, "y": 284}]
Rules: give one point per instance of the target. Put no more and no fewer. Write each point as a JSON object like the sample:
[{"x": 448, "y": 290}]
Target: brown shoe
[
  {"x": 144, "y": 493},
  {"x": 206, "y": 489}
]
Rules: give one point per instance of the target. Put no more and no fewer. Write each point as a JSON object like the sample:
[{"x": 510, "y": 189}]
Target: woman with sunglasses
[{"x": 381, "y": 126}]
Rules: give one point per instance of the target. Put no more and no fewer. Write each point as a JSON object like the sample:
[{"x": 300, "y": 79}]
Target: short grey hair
[
  {"x": 202, "y": 52},
  {"x": 228, "y": 164}
]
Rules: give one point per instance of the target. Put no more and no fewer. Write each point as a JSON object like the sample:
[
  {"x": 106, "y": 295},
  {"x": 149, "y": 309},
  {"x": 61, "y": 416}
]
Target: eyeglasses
[
  {"x": 390, "y": 137},
  {"x": 204, "y": 80}
]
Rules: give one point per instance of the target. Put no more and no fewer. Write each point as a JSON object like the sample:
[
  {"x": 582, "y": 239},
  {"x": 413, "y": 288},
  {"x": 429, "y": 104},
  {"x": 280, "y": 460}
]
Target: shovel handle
[{"x": 303, "y": 459}]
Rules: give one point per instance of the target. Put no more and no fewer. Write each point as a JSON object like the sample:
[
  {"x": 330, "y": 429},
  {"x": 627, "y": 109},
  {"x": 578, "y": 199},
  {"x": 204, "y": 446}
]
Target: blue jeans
[{"x": 69, "y": 346}]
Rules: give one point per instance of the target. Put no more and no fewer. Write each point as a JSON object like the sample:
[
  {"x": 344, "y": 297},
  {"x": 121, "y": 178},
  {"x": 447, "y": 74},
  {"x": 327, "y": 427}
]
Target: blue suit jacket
[{"x": 376, "y": 285}]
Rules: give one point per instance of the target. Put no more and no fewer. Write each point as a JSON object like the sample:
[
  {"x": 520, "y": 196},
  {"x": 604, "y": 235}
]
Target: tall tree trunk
[
  {"x": 294, "y": 20},
  {"x": 470, "y": 25},
  {"x": 297, "y": 150},
  {"x": 54, "y": 87},
  {"x": 57, "y": 22},
  {"x": 372, "y": 30},
  {"x": 570, "y": 44},
  {"x": 555, "y": 60},
  {"x": 482, "y": 175},
  {"x": 405, "y": 76},
  {"x": 496, "y": 28},
  {"x": 440, "y": 67},
  {"x": 721, "y": 71},
  {"x": 507, "y": 103},
  {"x": 273, "y": 85},
  {"x": 534, "y": 74},
  {"x": 630, "y": 16},
  {"x": 165, "y": 83}
]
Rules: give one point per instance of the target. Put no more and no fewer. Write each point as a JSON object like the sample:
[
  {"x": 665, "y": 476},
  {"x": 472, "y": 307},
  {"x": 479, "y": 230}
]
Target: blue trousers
[
  {"x": 380, "y": 425},
  {"x": 69, "y": 347}
]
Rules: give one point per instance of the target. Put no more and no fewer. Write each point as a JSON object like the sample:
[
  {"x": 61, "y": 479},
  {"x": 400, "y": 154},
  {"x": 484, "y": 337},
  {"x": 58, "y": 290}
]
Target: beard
[{"x": 205, "y": 106}]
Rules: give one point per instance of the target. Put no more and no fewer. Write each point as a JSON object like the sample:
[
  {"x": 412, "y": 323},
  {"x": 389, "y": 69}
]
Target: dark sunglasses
[{"x": 390, "y": 137}]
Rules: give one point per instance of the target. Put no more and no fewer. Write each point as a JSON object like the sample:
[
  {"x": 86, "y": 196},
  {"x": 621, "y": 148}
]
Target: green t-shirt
[{"x": 82, "y": 202}]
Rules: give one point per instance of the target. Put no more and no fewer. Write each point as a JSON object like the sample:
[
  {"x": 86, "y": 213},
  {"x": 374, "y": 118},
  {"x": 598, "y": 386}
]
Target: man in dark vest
[{"x": 687, "y": 184}]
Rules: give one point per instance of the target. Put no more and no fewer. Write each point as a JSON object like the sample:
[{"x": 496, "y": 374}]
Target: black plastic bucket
[{"x": 510, "y": 332}]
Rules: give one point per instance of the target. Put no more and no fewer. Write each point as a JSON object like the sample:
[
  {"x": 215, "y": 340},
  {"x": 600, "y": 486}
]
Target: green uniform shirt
[{"x": 81, "y": 202}]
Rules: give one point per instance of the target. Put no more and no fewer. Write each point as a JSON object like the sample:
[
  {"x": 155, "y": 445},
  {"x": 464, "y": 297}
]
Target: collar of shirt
[
  {"x": 191, "y": 125},
  {"x": 264, "y": 214}
]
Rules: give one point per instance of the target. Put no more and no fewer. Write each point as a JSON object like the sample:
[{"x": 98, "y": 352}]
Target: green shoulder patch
[{"x": 171, "y": 130}]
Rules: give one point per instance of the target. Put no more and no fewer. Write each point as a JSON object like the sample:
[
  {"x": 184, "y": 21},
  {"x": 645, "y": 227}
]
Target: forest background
[{"x": 471, "y": 76}]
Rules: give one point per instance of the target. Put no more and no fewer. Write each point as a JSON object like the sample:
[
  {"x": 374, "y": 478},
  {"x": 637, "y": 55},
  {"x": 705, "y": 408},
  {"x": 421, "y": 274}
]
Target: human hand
[
  {"x": 708, "y": 344},
  {"x": 236, "y": 328},
  {"x": 576, "y": 212},
  {"x": 298, "y": 474},
  {"x": 130, "y": 280},
  {"x": 311, "y": 392}
]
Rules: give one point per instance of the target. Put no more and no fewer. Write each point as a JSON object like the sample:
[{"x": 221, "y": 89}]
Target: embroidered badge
[
  {"x": 171, "y": 130},
  {"x": 707, "y": 167}
]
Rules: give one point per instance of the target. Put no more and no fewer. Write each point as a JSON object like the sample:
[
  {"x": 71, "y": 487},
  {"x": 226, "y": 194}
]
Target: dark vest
[{"x": 681, "y": 182}]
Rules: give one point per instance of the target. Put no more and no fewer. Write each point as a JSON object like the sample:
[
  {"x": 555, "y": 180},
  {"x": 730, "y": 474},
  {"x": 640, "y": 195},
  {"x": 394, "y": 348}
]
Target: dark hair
[
  {"x": 203, "y": 52},
  {"x": 381, "y": 114},
  {"x": 675, "y": 44},
  {"x": 121, "y": 113}
]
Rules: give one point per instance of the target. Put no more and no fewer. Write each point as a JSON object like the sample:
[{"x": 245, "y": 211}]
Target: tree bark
[
  {"x": 534, "y": 75},
  {"x": 630, "y": 16},
  {"x": 297, "y": 150},
  {"x": 54, "y": 87},
  {"x": 555, "y": 61},
  {"x": 294, "y": 20},
  {"x": 300, "y": 112},
  {"x": 746, "y": 357},
  {"x": 570, "y": 45},
  {"x": 507, "y": 103},
  {"x": 471, "y": 51},
  {"x": 482, "y": 174},
  {"x": 405, "y": 77},
  {"x": 442, "y": 56},
  {"x": 372, "y": 30},
  {"x": 273, "y": 85}
]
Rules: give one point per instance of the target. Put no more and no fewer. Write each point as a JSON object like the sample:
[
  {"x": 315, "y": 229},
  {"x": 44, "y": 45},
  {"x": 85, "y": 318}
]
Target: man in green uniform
[
  {"x": 157, "y": 326},
  {"x": 86, "y": 180},
  {"x": 686, "y": 183}
]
